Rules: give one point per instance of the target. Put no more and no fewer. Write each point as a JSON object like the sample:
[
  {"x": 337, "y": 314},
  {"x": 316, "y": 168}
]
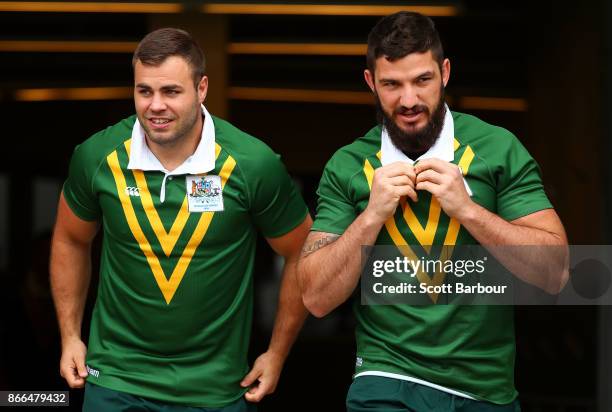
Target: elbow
[
  {"x": 558, "y": 274},
  {"x": 557, "y": 281},
  {"x": 310, "y": 297},
  {"x": 314, "y": 305},
  {"x": 555, "y": 265}
]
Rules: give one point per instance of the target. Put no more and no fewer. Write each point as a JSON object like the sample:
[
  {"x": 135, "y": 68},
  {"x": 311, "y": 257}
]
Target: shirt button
[{"x": 170, "y": 178}]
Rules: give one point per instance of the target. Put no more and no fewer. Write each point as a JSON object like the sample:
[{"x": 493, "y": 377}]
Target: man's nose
[
  {"x": 157, "y": 103},
  {"x": 409, "y": 97}
]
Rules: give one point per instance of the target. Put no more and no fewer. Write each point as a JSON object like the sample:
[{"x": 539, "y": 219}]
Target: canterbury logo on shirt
[{"x": 132, "y": 191}]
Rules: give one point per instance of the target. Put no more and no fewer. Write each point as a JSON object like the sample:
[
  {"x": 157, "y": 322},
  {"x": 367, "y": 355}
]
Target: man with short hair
[
  {"x": 181, "y": 195},
  {"x": 427, "y": 176}
]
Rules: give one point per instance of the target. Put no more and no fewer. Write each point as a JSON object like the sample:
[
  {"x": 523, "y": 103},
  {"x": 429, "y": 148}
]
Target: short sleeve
[
  {"x": 276, "y": 205},
  {"x": 78, "y": 188},
  {"x": 335, "y": 210},
  {"x": 520, "y": 191}
]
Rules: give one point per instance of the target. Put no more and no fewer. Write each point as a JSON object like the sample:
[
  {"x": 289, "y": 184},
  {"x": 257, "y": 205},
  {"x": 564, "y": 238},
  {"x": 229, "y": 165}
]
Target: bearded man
[{"x": 427, "y": 176}]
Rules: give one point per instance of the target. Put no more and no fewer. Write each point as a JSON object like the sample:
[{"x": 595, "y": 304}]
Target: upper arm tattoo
[{"x": 313, "y": 246}]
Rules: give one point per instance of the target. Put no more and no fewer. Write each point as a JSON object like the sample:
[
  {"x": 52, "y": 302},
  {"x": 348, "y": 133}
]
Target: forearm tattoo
[{"x": 318, "y": 244}]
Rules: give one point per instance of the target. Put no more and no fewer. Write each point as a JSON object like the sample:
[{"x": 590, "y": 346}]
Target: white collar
[
  {"x": 442, "y": 149},
  {"x": 201, "y": 161}
]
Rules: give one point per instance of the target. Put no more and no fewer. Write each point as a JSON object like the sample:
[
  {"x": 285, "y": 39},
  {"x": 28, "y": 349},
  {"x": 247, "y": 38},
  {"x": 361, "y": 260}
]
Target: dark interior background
[{"x": 539, "y": 69}]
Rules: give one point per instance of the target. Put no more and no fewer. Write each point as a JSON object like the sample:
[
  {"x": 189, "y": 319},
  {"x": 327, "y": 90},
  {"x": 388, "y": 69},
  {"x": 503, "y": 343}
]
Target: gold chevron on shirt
[
  {"x": 168, "y": 286},
  {"x": 425, "y": 235},
  {"x": 401, "y": 242},
  {"x": 167, "y": 240}
]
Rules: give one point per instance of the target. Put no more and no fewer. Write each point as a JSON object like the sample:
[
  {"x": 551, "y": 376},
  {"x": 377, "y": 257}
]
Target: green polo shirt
[
  {"x": 467, "y": 349},
  {"x": 173, "y": 314}
]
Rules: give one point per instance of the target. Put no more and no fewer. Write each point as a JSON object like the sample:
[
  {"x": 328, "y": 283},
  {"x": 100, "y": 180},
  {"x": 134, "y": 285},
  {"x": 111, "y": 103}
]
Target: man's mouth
[
  {"x": 411, "y": 116},
  {"x": 159, "y": 122}
]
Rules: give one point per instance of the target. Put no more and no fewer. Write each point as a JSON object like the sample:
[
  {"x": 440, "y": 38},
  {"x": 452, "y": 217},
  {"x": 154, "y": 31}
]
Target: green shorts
[
  {"x": 380, "y": 394},
  {"x": 100, "y": 399}
]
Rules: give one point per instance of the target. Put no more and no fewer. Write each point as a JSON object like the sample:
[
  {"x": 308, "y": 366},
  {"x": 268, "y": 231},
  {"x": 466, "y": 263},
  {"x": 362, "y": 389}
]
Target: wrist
[
  {"x": 371, "y": 220},
  {"x": 468, "y": 213},
  {"x": 278, "y": 353},
  {"x": 70, "y": 338}
]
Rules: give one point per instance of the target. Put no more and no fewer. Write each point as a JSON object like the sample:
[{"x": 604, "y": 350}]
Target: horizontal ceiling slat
[{"x": 67, "y": 46}]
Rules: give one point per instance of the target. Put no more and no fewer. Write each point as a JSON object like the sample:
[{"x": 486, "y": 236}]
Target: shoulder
[
  {"x": 247, "y": 150},
  {"x": 484, "y": 138},
  {"x": 471, "y": 128},
  {"x": 104, "y": 142}
]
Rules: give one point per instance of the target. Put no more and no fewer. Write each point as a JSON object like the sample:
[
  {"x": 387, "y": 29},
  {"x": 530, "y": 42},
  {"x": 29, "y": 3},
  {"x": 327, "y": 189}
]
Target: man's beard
[{"x": 418, "y": 141}]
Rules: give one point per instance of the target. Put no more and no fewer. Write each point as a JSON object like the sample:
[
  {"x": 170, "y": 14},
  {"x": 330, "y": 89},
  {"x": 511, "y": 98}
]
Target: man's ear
[
  {"x": 446, "y": 69},
  {"x": 202, "y": 89},
  {"x": 369, "y": 78}
]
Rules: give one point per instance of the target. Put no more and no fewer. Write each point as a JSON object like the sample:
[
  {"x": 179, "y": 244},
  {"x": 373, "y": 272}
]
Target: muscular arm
[
  {"x": 290, "y": 316},
  {"x": 291, "y": 312},
  {"x": 330, "y": 265},
  {"x": 545, "y": 264},
  {"x": 70, "y": 270}
]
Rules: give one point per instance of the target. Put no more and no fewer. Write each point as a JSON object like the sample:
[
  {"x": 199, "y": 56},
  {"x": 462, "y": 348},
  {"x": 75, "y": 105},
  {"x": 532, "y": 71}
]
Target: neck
[
  {"x": 416, "y": 154},
  {"x": 173, "y": 154}
]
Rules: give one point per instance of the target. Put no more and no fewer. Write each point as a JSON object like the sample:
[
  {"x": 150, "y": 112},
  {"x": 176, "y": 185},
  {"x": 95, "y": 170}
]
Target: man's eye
[
  {"x": 172, "y": 92},
  {"x": 424, "y": 79},
  {"x": 144, "y": 92}
]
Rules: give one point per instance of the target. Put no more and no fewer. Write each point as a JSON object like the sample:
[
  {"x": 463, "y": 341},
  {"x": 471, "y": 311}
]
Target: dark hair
[
  {"x": 160, "y": 44},
  {"x": 397, "y": 35}
]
